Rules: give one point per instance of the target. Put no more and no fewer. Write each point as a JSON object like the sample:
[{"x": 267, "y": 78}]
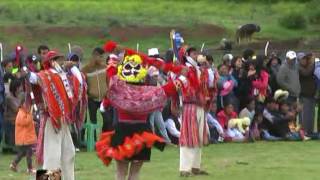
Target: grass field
[{"x": 261, "y": 160}]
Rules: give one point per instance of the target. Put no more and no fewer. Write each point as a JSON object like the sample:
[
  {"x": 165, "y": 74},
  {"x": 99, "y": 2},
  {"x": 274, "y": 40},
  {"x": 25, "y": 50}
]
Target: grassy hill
[{"x": 90, "y": 23}]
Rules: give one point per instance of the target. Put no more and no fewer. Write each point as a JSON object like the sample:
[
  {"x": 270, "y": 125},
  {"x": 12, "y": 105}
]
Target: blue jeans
[
  {"x": 268, "y": 137},
  {"x": 156, "y": 120}
]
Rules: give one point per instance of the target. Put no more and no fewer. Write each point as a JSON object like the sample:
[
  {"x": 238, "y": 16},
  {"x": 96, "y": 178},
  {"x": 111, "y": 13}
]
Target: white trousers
[
  {"x": 59, "y": 151},
  {"x": 190, "y": 158}
]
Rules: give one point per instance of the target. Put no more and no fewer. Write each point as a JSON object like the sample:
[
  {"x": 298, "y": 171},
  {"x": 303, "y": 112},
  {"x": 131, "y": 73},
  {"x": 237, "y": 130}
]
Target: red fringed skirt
[{"x": 129, "y": 142}]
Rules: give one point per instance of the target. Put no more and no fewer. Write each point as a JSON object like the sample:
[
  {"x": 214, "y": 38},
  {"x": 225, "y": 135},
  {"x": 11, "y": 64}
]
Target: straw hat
[{"x": 280, "y": 95}]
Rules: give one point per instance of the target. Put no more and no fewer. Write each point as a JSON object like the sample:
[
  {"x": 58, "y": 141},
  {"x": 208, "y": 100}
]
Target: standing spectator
[
  {"x": 43, "y": 51},
  {"x": 7, "y": 65},
  {"x": 237, "y": 68},
  {"x": 13, "y": 101},
  {"x": 239, "y": 72},
  {"x": 226, "y": 85},
  {"x": 25, "y": 138},
  {"x": 288, "y": 79},
  {"x": 259, "y": 78},
  {"x": 247, "y": 55},
  {"x": 96, "y": 80},
  {"x": 155, "y": 118},
  {"x": 308, "y": 90},
  {"x": 2, "y": 93},
  {"x": 226, "y": 59},
  {"x": 317, "y": 96},
  {"x": 273, "y": 67}
]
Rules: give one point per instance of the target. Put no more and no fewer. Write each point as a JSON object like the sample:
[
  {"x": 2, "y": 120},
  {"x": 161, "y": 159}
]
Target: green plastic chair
[{"x": 90, "y": 128}]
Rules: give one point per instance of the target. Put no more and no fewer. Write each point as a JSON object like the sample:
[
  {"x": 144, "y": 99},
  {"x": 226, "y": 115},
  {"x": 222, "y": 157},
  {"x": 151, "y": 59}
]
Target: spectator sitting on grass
[
  {"x": 248, "y": 111},
  {"x": 226, "y": 114},
  {"x": 216, "y": 131},
  {"x": 238, "y": 128},
  {"x": 270, "y": 118},
  {"x": 254, "y": 130}
]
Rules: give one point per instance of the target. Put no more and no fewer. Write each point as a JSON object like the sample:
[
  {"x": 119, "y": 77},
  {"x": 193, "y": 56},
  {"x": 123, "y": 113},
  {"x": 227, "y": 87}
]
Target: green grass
[
  {"x": 261, "y": 160},
  {"x": 188, "y": 13}
]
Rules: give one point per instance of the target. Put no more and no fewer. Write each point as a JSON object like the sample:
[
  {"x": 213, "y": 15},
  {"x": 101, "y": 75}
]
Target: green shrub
[
  {"x": 293, "y": 21},
  {"x": 314, "y": 17}
]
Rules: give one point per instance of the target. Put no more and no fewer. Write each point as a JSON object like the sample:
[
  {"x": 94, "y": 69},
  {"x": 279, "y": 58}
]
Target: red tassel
[
  {"x": 130, "y": 52},
  {"x": 109, "y": 46}
]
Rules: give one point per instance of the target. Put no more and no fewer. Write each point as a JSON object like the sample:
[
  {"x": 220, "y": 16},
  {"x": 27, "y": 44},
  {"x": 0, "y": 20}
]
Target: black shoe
[{"x": 198, "y": 172}]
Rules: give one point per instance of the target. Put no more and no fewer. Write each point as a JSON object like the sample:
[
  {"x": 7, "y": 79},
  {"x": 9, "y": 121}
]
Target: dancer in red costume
[
  {"x": 131, "y": 142},
  {"x": 197, "y": 92}
]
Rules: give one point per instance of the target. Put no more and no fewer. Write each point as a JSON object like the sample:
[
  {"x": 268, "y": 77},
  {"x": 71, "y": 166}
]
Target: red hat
[{"x": 50, "y": 56}]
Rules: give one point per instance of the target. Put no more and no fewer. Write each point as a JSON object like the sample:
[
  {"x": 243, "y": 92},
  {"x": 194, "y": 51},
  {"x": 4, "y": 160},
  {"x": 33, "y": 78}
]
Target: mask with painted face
[{"x": 132, "y": 70}]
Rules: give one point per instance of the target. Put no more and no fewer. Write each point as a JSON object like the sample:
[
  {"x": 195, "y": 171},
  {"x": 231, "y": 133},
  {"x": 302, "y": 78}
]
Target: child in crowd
[
  {"x": 248, "y": 111},
  {"x": 25, "y": 136},
  {"x": 216, "y": 130},
  {"x": 254, "y": 131},
  {"x": 226, "y": 114},
  {"x": 226, "y": 85},
  {"x": 238, "y": 128},
  {"x": 294, "y": 132}
]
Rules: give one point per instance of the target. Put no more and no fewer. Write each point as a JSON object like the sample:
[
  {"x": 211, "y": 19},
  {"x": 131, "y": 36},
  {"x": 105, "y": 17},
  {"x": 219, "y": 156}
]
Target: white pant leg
[
  {"x": 201, "y": 120},
  {"x": 238, "y": 134},
  {"x": 51, "y": 147},
  {"x": 67, "y": 154},
  {"x": 231, "y": 133},
  {"x": 189, "y": 158},
  {"x": 197, "y": 158}
]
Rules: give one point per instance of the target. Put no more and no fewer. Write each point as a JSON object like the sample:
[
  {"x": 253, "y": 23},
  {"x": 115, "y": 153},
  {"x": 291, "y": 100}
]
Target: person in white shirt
[{"x": 55, "y": 146}]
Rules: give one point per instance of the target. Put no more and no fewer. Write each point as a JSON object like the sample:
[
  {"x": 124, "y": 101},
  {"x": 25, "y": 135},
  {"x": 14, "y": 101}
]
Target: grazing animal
[{"x": 246, "y": 31}]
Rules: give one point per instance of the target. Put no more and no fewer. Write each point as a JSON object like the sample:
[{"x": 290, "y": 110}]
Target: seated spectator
[
  {"x": 294, "y": 133},
  {"x": 280, "y": 95},
  {"x": 226, "y": 84},
  {"x": 248, "y": 111},
  {"x": 225, "y": 115},
  {"x": 173, "y": 128},
  {"x": 237, "y": 128},
  {"x": 254, "y": 131},
  {"x": 172, "y": 123},
  {"x": 216, "y": 131},
  {"x": 270, "y": 118}
]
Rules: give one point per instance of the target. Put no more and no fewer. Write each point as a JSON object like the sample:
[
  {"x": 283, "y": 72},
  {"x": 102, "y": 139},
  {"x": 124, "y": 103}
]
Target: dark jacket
[{"x": 307, "y": 81}]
